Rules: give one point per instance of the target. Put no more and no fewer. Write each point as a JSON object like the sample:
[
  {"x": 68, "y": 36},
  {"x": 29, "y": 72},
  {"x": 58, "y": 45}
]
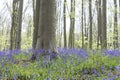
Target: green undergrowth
[{"x": 64, "y": 67}]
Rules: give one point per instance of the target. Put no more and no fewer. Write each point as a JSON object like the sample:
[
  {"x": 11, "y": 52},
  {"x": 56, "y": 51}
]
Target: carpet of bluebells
[{"x": 67, "y": 64}]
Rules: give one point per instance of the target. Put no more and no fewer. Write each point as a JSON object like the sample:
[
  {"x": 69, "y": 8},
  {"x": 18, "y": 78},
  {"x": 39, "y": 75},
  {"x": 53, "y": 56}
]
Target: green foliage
[
  {"x": 4, "y": 42},
  {"x": 26, "y": 42}
]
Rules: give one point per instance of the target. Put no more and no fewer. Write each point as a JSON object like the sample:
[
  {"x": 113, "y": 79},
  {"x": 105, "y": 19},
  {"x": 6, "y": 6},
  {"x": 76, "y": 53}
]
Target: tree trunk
[
  {"x": 15, "y": 34},
  {"x": 115, "y": 26},
  {"x": 82, "y": 25},
  {"x": 90, "y": 19},
  {"x": 99, "y": 39},
  {"x": 72, "y": 24},
  {"x": 36, "y": 12},
  {"x": 65, "y": 36},
  {"x": 18, "y": 45},
  {"x": 47, "y": 26},
  {"x": 104, "y": 25}
]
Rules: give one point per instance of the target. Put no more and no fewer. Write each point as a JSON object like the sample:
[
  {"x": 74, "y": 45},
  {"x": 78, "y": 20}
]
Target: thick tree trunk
[
  {"x": 16, "y": 25},
  {"x": 47, "y": 26}
]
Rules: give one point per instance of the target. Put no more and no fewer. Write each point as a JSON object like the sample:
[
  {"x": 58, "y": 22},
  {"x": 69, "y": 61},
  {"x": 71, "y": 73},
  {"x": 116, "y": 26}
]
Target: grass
[{"x": 70, "y": 64}]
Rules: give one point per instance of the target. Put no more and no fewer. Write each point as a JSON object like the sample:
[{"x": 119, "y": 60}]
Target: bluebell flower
[
  {"x": 48, "y": 78},
  {"x": 68, "y": 78},
  {"x": 17, "y": 51},
  {"x": 111, "y": 78},
  {"x": 103, "y": 68},
  {"x": 15, "y": 78},
  {"x": 2, "y": 65},
  {"x": 63, "y": 77},
  {"x": 99, "y": 74},
  {"x": 94, "y": 71},
  {"x": 85, "y": 71},
  {"x": 31, "y": 50},
  {"x": 104, "y": 78},
  {"x": 24, "y": 51},
  {"x": 58, "y": 79},
  {"x": 118, "y": 68}
]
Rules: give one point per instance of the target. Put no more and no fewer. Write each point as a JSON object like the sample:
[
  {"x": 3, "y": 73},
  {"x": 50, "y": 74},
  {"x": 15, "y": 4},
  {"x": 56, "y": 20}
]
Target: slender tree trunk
[
  {"x": 82, "y": 25},
  {"x": 65, "y": 36},
  {"x": 90, "y": 19},
  {"x": 12, "y": 34},
  {"x": 18, "y": 44},
  {"x": 104, "y": 25},
  {"x": 115, "y": 26},
  {"x": 86, "y": 32},
  {"x": 72, "y": 24},
  {"x": 99, "y": 24}
]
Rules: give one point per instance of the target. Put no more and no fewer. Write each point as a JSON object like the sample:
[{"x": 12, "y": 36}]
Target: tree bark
[
  {"x": 82, "y": 25},
  {"x": 36, "y": 17},
  {"x": 65, "y": 36},
  {"x": 46, "y": 38},
  {"x": 72, "y": 24},
  {"x": 18, "y": 46},
  {"x": 115, "y": 26},
  {"x": 90, "y": 19},
  {"x": 104, "y": 25},
  {"x": 99, "y": 39},
  {"x": 15, "y": 34}
]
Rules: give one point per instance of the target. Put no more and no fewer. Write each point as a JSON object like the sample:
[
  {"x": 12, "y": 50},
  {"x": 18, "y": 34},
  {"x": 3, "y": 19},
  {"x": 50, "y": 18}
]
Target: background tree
[
  {"x": 81, "y": 34},
  {"x": 99, "y": 39},
  {"x": 29, "y": 27},
  {"x": 82, "y": 24},
  {"x": 72, "y": 24},
  {"x": 19, "y": 24},
  {"x": 90, "y": 19},
  {"x": 115, "y": 26},
  {"x": 36, "y": 13},
  {"x": 64, "y": 13},
  {"x": 104, "y": 25},
  {"x": 60, "y": 27}
]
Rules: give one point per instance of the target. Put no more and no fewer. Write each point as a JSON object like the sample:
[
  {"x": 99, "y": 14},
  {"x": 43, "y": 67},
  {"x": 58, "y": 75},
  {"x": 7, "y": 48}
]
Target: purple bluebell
[
  {"x": 118, "y": 68},
  {"x": 15, "y": 77},
  {"x": 111, "y": 78},
  {"x": 99, "y": 74},
  {"x": 85, "y": 71},
  {"x": 48, "y": 78},
  {"x": 58, "y": 79},
  {"x": 94, "y": 71},
  {"x": 103, "y": 68}
]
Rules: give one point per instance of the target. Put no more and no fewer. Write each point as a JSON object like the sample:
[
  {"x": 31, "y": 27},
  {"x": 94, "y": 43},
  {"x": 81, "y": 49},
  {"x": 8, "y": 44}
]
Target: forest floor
[{"x": 68, "y": 64}]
